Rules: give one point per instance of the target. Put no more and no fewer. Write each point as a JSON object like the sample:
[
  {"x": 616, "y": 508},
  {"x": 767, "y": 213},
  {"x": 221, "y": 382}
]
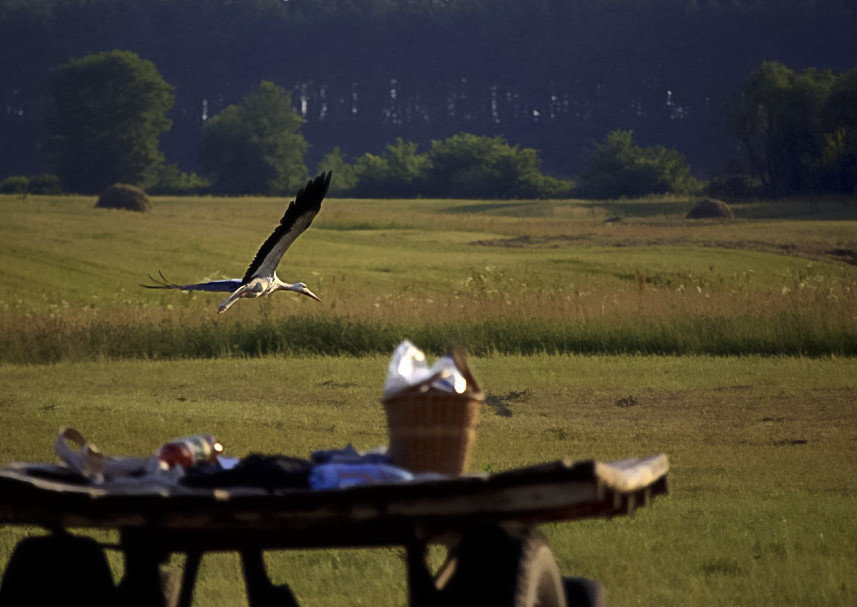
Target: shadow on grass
[
  {"x": 644, "y": 208},
  {"x": 830, "y": 208},
  {"x": 818, "y": 209}
]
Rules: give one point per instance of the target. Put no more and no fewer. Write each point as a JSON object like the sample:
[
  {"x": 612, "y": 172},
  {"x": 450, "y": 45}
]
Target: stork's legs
[{"x": 230, "y": 301}]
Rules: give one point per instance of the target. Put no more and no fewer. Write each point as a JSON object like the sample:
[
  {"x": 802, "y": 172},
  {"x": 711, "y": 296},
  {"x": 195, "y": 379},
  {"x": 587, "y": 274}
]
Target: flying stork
[{"x": 261, "y": 276}]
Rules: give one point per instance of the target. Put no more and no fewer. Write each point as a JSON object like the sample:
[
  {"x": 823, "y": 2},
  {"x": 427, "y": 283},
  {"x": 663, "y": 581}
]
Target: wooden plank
[
  {"x": 365, "y": 515},
  {"x": 631, "y": 475}
]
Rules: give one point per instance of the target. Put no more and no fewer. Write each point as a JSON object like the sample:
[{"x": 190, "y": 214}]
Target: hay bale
[
  {"x": 711, "y": 207},
  {"x": 124, "y": 196}
]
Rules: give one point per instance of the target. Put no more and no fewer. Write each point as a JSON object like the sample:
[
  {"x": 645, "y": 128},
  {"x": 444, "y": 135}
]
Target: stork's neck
[
  {"x": 280, "y": 285},
  {"x": 297, "y": 287}
]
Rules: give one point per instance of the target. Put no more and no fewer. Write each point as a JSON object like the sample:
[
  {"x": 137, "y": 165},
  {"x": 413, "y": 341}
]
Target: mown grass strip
[{"x": 49, "y": 340}]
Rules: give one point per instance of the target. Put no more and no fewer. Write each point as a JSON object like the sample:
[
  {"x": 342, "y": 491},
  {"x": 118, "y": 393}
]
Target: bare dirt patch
[
  {"x": 627, "y": 401},
  {"x": 502, "y": 404},
  {"x": 790, "y": 442}
]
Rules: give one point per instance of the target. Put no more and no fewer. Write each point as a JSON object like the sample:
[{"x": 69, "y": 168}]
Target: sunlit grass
[
  {"x": 762, "y": 493},
  {"x": 761, "y": 510}
]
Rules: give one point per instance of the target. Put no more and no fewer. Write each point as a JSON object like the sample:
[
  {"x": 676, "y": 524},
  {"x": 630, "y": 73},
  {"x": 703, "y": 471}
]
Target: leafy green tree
[
  {"x": 345, "y": 177},
  {"x": 617, "y": 168},
  {"x": 106, "y": 113},
  {"x": 779, "y": 116},
  {"x": 372, "y": 172},
  {"x": 478, "y": 166},
  {"x": 399, "y": 171},
  {"x": 255, "y": 147},
  {"x": 172, "y": 180},
  {"x": 45, "y": 183},
  {"x": 16, "y": 184},
  {"x": 38, "y": 184},
  {"x": 462, "y": 165},
  {"x": 839, "y": 152},
  {"x": 405, "y": 165}
]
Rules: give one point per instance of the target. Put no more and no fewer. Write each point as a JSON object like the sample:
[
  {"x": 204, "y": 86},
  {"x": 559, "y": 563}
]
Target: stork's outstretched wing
[
  {"x": 227, "y": 286},
  {"x": 299, "y": 214}
]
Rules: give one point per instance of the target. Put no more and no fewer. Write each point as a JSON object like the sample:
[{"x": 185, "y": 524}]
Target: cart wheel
[
  {"x": 505, "y": 570},
  {"x": 57, "y": 569},
  {"x": 584, "y": 592},
  {"x": 539, "y": 579}
]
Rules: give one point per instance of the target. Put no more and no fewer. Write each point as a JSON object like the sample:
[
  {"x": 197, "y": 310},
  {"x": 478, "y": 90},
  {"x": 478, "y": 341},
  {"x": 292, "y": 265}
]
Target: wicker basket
[{"x": 432, "y": 430}]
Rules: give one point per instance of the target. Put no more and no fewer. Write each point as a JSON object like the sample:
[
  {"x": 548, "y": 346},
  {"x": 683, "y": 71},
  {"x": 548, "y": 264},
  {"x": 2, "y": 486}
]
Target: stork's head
[{"x": 301, "y": 288}]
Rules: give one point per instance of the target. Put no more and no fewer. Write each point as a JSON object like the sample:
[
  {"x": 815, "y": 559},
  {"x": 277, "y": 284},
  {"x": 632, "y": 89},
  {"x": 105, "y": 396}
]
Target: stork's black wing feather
[{"x": 299, "y": 214}]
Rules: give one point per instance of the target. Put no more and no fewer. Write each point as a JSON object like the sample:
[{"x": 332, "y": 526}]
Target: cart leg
[
  {"x": 191, "y": 569},
  {"x": 142, "y": 584},
  {"x": 260, "y": 591},
  {"x": 422, "y": 591}
]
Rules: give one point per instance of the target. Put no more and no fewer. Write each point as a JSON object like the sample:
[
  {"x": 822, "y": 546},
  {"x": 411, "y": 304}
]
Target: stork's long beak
[{"x": 309, "y": 293}]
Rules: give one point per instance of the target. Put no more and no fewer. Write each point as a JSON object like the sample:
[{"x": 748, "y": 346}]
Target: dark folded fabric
[
  {"x": 349, "y": 455},
  {"x": 263, "y": 471}
]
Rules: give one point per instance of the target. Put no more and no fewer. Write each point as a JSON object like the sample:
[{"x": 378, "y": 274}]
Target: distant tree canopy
[
  {"x": 37, "y": 184},
  {"x": 255, "y": 147},
  {"x": 798, "y": 130},
  {"x": 106, "y": 113},
  {"x": 617, "y": 168},
  {"x": 552, "y": 75},
  {"x": 346, "y": 179},
  {"x": 172, "y": 180},
  {"x": 464, "y": 165},
  {"x": 399, "y": 171},
  {"x": 470, "y": 165}
]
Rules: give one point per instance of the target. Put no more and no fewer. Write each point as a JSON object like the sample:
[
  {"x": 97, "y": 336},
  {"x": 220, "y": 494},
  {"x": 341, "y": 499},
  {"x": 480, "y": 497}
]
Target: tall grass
[
  {"x": 803, "y": 313},
  {"x": 53, "y": 340},
  {"x": 518, "y": 277}
]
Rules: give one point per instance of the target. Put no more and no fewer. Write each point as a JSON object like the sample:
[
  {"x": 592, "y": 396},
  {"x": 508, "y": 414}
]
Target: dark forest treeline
[{"x": 554, "y": 75}]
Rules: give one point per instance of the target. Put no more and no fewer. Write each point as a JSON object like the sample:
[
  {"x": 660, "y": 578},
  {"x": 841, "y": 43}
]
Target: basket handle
[{"x": 460, "y": 359}]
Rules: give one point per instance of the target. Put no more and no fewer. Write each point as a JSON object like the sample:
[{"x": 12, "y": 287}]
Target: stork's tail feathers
[{"x": 163, "y": 283}]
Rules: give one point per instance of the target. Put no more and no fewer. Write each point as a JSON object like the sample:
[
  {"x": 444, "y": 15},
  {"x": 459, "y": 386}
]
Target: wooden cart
[{"x": 496, "y": 555}]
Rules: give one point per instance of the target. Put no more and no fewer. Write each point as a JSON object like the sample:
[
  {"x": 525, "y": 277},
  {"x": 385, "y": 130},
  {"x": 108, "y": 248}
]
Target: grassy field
[
  {"x": 512, "y": 277},
  {"x": 762, "y": 504},
  {"x": 737, "y": 340}
]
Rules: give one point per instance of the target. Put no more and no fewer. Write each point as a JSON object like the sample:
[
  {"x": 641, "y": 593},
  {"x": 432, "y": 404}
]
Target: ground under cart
[{"x": 489, "y": 523}]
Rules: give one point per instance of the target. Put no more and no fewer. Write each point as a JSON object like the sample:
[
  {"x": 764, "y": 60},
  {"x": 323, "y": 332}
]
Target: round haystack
[
  {"x": 711, "y": 207},
  {"x": 124, "y": 196}
]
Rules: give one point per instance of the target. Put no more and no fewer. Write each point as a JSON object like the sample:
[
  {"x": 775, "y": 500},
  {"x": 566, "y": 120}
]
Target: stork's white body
[
  {"x": 263, "y": 285},
  {"x": 261, "y": 278}
]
